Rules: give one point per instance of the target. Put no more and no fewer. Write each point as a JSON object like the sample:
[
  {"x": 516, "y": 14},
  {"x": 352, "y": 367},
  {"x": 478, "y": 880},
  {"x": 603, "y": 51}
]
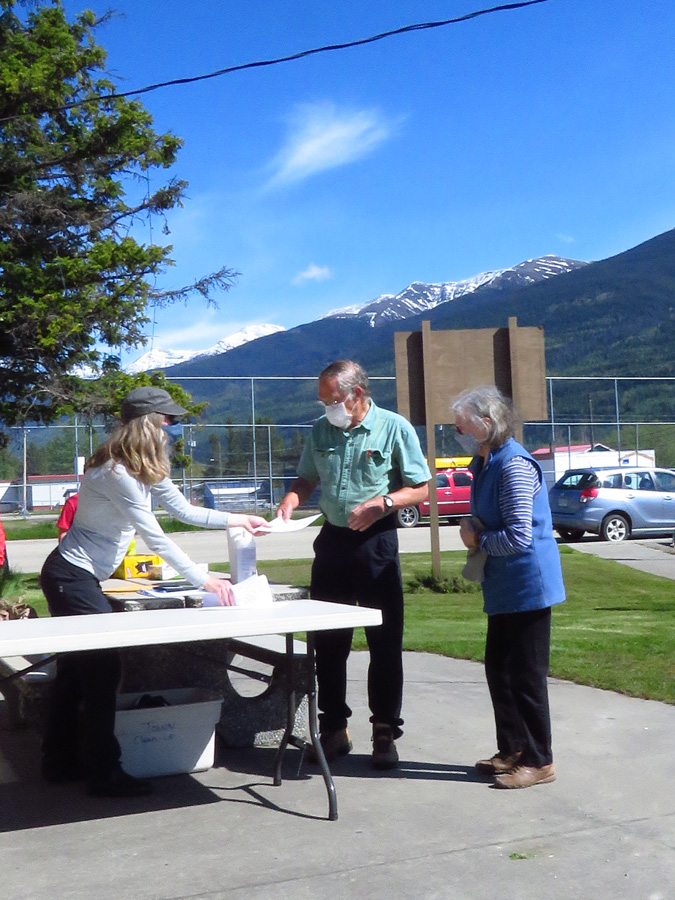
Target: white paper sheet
[
  {"x": 253, "y": 591},
  {"x": 281, "y": 526}
]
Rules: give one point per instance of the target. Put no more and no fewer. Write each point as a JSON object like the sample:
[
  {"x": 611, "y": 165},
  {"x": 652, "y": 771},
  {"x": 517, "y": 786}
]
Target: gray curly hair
[{"x": 488, "y": 402}]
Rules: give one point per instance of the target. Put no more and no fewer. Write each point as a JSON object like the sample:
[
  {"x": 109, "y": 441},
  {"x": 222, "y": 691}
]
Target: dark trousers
[
  {"x": 360, "y": 568},
  {"x": 89, "y": 678},
  {"x": 517, "y": 653}
]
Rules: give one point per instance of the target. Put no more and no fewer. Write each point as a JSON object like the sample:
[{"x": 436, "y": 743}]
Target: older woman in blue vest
[{"x": 522, "y": 580}]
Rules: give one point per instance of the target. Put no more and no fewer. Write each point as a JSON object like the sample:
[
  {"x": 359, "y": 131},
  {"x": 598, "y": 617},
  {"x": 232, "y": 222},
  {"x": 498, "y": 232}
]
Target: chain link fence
[{"x": 247, "y": 467}]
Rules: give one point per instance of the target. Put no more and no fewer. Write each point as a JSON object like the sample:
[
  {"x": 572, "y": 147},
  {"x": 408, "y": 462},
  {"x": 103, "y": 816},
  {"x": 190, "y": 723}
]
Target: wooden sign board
[{"x": 433, "y": 367}]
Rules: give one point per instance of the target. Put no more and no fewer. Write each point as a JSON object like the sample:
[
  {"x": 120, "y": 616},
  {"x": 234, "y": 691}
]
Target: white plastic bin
[{"x": 168, "y": 740}]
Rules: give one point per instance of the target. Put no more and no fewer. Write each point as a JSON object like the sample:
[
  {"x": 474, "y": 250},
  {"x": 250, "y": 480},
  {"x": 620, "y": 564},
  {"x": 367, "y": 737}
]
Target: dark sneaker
[
  {"x": 526, "y": 776},
  {"x": 498, "y": 764},
  {"x": 385, "y": 755},
  {"x": 119, "y": 784},
  {"x": 334, "y": 744}
]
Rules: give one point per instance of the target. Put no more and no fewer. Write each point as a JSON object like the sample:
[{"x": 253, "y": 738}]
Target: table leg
[
  {"x": 312, "y": 723},
  {"x": 287, "y": 736},
  {"x": 314, "y": 732}
]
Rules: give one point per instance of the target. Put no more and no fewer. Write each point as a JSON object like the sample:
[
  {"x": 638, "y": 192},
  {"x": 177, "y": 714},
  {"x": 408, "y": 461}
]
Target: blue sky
[{"x": 430, "y": 156}]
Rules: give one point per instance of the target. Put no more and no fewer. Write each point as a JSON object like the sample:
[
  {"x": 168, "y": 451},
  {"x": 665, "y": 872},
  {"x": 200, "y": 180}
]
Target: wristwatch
[{"x": 388, "y": 503}]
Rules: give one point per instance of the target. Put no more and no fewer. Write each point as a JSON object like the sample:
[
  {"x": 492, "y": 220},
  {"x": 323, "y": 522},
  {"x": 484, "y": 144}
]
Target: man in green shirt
[{"x": 369, "y": 464}]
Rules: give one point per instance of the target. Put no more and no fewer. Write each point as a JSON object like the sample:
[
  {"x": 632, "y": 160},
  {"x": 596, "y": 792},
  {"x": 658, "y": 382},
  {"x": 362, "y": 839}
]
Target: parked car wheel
[
  {"x": 570, "y": 534},
  {"x": 614, "y": 528},
  {"x": 408, "y": 517}
]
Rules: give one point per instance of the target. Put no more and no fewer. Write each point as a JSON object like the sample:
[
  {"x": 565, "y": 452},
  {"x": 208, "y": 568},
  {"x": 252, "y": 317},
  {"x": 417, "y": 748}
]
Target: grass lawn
[
  {"x": 30, "y": 529},
  {"x": 615, "y": 631},
  {"x": 41, "y": 527},
  {"x": 35, "y": 528}
]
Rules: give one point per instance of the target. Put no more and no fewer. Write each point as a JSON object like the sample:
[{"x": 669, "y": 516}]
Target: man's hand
[
  {"x": 222, "y": 588},
  {"x": 286, "y": 507},
  {"x": 301, "y": 491},
  {"x": 366, "y": 514}
]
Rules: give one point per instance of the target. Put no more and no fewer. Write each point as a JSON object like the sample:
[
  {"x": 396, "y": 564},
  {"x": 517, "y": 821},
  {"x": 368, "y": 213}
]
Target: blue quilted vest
[{"x": 532, "y": 578}]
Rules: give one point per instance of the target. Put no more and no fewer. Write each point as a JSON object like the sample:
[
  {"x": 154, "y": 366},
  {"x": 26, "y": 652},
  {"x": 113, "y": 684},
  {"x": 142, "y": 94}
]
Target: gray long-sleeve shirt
[{"x": 113, "y": 506}]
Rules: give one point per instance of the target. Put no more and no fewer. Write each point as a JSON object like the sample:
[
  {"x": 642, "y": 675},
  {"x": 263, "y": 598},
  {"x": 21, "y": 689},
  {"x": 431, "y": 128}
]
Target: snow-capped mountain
[
  {"x": 420, "y": 297},
  {"x": 162, "y": 359}
]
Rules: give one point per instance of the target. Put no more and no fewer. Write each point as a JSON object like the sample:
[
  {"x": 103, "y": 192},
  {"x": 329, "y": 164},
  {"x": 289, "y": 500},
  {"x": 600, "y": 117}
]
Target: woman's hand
[
  {"x": 467, "y": 534},
  {"x": 255, "y": 525},
  {"x": 222, "y": 588}
]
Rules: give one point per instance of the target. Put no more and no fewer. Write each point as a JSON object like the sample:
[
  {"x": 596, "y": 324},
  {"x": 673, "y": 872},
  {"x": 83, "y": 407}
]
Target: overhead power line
[{"x": 406, "y": 29}]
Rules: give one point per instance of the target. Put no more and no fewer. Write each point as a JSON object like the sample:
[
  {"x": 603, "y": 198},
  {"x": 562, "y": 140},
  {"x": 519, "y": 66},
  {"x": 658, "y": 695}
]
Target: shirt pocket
[
  {"x": 375, "y": 465},
  {"x": 328, "y": 463}
]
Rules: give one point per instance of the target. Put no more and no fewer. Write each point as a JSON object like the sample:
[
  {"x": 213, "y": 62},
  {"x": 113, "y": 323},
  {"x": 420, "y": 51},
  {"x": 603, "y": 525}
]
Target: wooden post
[
  {"x": 515, "y": 376},
  {"x": 431, "y": 448}
]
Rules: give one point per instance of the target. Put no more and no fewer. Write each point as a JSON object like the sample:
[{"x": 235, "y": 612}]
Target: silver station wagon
[{"x": 613, "y": 503}]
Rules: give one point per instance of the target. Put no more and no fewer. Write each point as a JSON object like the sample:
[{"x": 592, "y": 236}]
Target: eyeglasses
[{"x": 333, "y": 402}]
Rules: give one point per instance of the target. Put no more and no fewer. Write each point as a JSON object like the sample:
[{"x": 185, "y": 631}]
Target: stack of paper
[{"x": 252, "y": 592}]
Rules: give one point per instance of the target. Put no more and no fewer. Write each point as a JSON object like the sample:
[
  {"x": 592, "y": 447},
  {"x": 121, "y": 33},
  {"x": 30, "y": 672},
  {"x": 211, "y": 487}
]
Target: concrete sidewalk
[
  {"x": 432, "y": 829},
  {"x": 653, "y": 555}
]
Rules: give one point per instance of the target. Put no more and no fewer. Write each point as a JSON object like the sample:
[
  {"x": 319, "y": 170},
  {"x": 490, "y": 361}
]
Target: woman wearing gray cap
[{"x": 121, "y": 479}]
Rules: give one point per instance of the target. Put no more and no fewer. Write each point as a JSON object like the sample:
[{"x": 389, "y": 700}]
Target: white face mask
[
  {"x": 469, "y": 444},
  {"x": 338, "y": 415}
]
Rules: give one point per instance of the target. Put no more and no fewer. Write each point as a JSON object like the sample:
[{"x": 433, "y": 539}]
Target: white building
[{"x": 581, "y": 456}]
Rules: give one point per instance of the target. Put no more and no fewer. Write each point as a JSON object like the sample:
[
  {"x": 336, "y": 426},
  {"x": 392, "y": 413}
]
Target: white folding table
[{"x": 67, "y": 634}]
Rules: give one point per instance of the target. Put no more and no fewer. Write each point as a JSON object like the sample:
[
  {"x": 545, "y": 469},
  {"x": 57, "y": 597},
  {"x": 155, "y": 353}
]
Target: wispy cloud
[
  {"x": 321, "y": 137},
  {"x": 313, "y": 273},
  {"x": 566, "y": 238},
  {"x": 197, "y": 334}
]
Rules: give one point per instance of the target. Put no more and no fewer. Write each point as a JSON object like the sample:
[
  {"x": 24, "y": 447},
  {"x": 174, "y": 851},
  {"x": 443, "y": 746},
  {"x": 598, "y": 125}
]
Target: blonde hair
[
  {"x": 138, "y": 445},
  {"x": 487, "y": 402}
]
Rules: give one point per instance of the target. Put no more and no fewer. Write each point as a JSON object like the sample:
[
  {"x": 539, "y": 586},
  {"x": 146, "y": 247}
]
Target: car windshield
[{"x": 576, "y": 481}]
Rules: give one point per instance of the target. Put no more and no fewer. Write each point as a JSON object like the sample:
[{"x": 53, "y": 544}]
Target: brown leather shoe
[
  {"x": 334, "y": 744},
  {"x": 526, "y": 776},
  {"x": 385, "y": 754},
  {"x": 497, "y": 764}
]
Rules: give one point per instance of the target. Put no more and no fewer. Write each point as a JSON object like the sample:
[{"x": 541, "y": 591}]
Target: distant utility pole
[{"x": 590, "y": 419}]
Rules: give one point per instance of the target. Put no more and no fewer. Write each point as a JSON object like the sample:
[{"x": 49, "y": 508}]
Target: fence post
[
  {"x": 255, "y": 454},
  {"x": 618, "y": 420}
]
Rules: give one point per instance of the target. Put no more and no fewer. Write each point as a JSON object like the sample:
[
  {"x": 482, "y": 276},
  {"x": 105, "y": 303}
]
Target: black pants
[
  {"x": 89, "y": 678},
  {"x": 360, "y": 568},
  {"x": 517, "y": 654}
]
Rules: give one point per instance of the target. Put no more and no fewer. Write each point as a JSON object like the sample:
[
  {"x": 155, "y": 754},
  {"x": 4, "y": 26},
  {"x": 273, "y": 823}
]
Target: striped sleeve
[{"x": 519, "y": 483}]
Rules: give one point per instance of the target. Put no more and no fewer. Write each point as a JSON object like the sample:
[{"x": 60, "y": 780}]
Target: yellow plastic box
[{"x": 137, "y": 566}]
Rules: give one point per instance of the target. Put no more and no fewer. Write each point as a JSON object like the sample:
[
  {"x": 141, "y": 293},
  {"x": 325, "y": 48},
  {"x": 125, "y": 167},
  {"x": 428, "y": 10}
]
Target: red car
[
  {"x": 453, "y": 493},
  {"x": 4, "y": 565}
]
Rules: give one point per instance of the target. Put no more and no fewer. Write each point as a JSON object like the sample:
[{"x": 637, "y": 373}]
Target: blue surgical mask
[{"x": 469, "y": 444}]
